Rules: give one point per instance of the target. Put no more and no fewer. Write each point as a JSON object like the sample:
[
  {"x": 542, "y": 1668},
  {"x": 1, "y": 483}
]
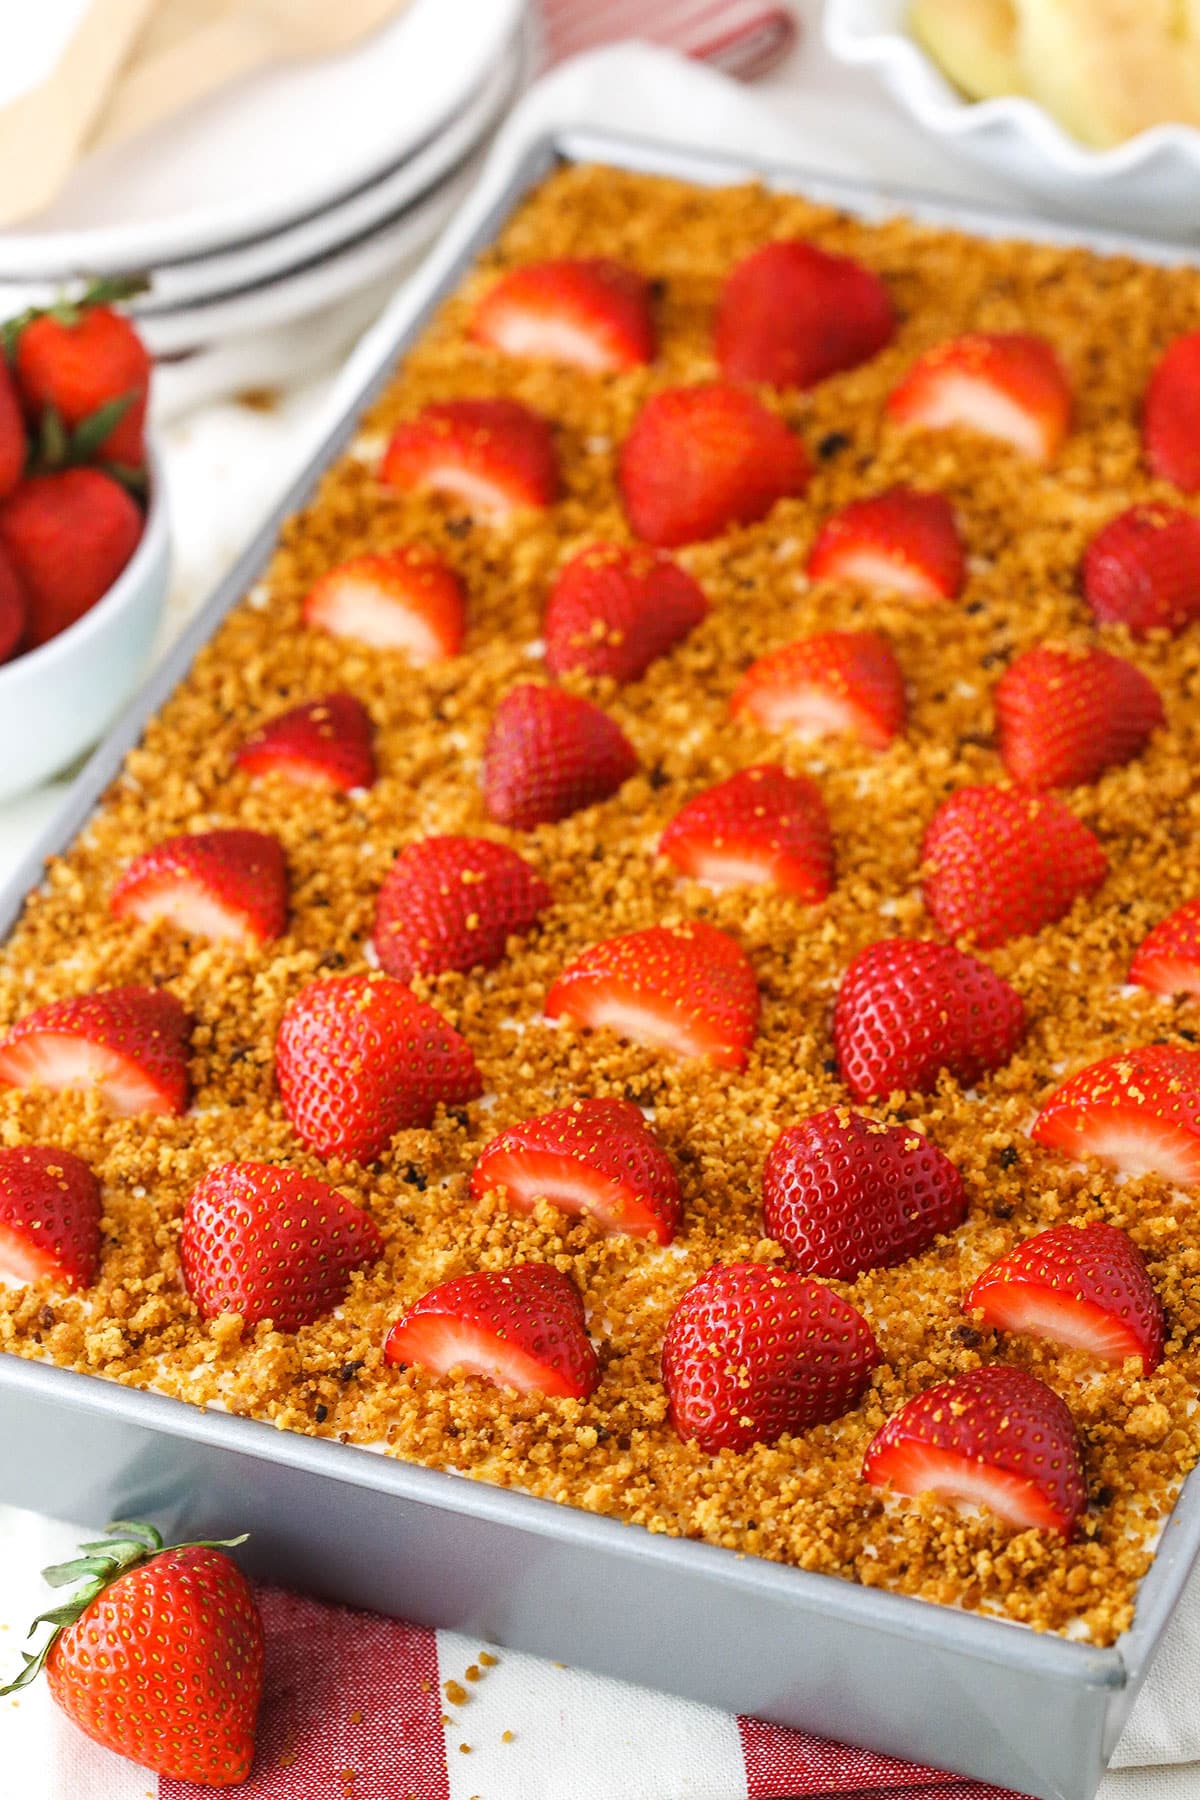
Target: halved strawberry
[
  {"x": 495, "y": 457},
  {"x": 49, "y": 1216},
  {"x": 899, "y": 542},
  {"x": 1083, "y": 1285},
  {"x": 323, "y": 743},
  {"x": 598, "y": 1158},
  {"x": 834, "y": 683},
  {"x": 226, "y": 886},
  {"x": 127, "y": 1044},
  {"x": 995, "y": 1437},
  {"x": 1171, "y": 414},
  {"x": 615, "y": 608},
  {"x": 520, "y": 1328},
  {"x": 272, "y": 1244},
  {"x": 791, "y": 313},
  {"x": 1143, "y": 570},
  {"x": 687, "y": 989},
  {"x": 753, "y": 1352},
  {"x": 453, "y": 903},
  {"x": 586, "y": 312},
  {"x": 702, "y": 459},
  {"x": 1065, "y": 715},
  {"x": 549, "y": 754},
  {"x": 1167, "y": 961},
  {"x": 907, "y": 1009},
  {"x": 409, "y": 599},
  {"x": 1000, "y": 863},
  {"x": 1138, "y": 1110},
  {"x": 843, "y": 1193},
  {"x": 359, "y": 1058},
  {"x": 761, "y": 825},
  {"x": 1004, "y": 385}
]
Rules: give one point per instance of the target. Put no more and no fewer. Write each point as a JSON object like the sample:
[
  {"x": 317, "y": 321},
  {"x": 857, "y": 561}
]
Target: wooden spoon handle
[
  {"x": 42, "y": 131},
  {"x": 233, "y": 42}
]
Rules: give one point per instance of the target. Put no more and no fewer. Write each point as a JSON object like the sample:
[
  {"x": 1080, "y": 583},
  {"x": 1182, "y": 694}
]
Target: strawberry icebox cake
[{"x": 653, "y": 959}]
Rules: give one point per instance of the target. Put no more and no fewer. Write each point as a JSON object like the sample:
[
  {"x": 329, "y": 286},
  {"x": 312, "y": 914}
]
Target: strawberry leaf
[
  {"x": 53, "y": 443},
  {"x": 129, "y": 1545},
  {"x": 91, "y": 432}
]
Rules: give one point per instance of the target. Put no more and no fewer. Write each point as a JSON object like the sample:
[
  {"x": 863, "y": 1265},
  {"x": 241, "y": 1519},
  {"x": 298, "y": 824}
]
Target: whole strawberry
[
  {"x": 68, "y": 536},
  {"x": 86, "y": 364},
  {"x": 158, "y": 1655}
]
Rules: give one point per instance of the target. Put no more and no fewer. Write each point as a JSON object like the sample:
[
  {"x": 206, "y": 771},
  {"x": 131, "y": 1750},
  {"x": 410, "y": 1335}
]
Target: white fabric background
[{"x": 225, "y": 463}]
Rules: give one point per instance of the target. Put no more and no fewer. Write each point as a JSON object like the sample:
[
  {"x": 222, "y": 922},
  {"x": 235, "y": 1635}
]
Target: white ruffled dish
[{"x": 1151, "y": 184}]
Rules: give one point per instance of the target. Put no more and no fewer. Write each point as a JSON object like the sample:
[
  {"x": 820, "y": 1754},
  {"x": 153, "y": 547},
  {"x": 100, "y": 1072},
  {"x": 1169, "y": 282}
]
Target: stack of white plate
[{"x": 290, "y": 190}]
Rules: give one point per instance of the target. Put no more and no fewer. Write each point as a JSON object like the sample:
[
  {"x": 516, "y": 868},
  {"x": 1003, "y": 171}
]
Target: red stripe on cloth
[
  {"x": 782, "y": 1763},
  {"x": 351, "y": 1709},
  {"x": 744, "y": 36}
]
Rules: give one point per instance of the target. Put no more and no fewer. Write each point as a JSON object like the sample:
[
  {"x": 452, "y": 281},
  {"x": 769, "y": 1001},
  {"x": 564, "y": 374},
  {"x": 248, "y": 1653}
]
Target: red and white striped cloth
[
  {"x": 356, "y": 1708},
  {"x": 743, "y": 37}
]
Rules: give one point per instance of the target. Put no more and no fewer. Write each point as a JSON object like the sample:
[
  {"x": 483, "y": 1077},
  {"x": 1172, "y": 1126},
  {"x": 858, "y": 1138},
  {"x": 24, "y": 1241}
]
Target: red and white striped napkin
[
  {"x": 356, "y": 1707},
  {"x": 743, "y": 37}
]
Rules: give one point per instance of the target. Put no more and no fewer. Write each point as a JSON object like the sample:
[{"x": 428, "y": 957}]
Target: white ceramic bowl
[
  {"x": 1151, "y": 184},
  {"x": 58, "y": 700}
]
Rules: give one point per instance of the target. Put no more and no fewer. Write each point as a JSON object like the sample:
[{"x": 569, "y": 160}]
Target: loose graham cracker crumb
[{"x": 799, "y": 1501}]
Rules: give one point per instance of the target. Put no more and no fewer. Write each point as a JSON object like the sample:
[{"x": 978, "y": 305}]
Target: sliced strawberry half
[
  {"x": 700, "y": 460},
  {"x": 899, "y": 542},
  {"x": 359, "y": 1058},
  {"x": 128, "y": 1044},
  {"x": 761, "y": 826},
  {"x": 495, "y": 457},
  {"x": 843, "y": 1193},
  {"x": 1001, "y": 863},
  {"x": 49, "y": 1216},
  {"x": 834, "y": 684},
  {"x": 226, "y": 886},
  {"x": 687, "y": 989},
  {"x": 791, "y": 313},
  {"x": 615, "y": 608},
  {"x": 1082, "y": 1285},
  {"x": 521, "y": 1328},
  {"x": 585, "y": 312},
  {"x": 1167, "y": 961},
  {"x": 995, "y": 1437},
  {"x": 453, "y": 903},
  {"x": 596, "y": 1158},
  {"x": 1171, "y": 414},
  {"x": 1004, "y": 385},
  {"x": 753, "y": 1352},
  {"x": 907, "y": 1009},
  {"x": 323, "y": 743},
  {"x": 549, "y": 754},
  {"x": 1066, "y": 715},
  {"x": 409, "y": 600},
  {"x": 272, "y": 1243},
  {"x": 1139, "y": 1111},
  {"x": 1143, "y": 570}
]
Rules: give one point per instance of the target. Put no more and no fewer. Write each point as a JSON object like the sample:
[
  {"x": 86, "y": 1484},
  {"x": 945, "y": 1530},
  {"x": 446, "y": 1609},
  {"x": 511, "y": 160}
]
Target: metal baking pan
[{"x": 1038, "y": 1713}]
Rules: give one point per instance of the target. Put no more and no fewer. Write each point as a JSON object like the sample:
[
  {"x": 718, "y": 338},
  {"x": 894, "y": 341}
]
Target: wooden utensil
[
  {"x": 74, "y": 53},
  {"x": 192, "y": 47}
]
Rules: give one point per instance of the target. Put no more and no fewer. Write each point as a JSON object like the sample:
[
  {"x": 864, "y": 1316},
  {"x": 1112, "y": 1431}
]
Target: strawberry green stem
[{"x": 129, "y": 1545}]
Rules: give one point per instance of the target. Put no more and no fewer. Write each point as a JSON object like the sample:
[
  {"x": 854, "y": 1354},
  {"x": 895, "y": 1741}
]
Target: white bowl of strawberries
[{"x": 84, "y": 543}]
